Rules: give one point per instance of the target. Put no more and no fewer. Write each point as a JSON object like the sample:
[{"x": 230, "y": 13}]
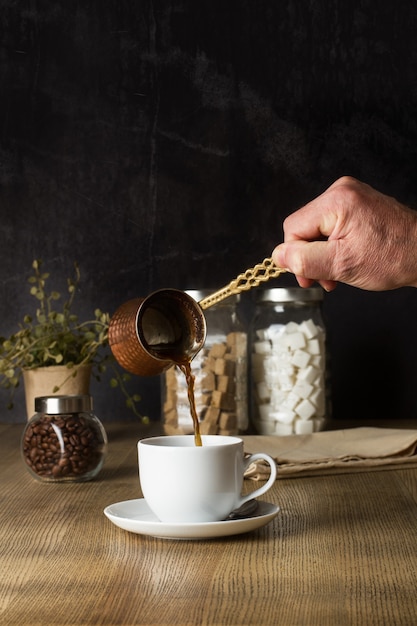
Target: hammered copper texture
[{"x": 125, "y": 345}]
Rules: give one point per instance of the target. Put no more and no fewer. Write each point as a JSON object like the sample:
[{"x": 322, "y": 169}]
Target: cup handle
[{"x": 270, "y": 481}]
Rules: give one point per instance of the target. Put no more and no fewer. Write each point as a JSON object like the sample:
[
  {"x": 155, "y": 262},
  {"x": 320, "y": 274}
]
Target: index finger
[{"x": 310, "y": 223}]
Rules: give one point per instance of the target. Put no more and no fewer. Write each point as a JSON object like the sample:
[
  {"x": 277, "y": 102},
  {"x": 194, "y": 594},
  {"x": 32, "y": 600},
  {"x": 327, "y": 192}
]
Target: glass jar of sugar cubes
[
  {"x": 221, "y": 377},
  {"x": 288, "y": 362}
]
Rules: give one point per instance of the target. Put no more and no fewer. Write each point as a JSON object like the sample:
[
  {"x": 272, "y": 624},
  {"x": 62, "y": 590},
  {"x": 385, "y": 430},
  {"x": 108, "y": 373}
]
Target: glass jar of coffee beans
[{"x": 64, "y": 441}]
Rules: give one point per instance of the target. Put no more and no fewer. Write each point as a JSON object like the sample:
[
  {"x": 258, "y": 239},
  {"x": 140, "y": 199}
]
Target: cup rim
[{"x": 188, "y": 441}]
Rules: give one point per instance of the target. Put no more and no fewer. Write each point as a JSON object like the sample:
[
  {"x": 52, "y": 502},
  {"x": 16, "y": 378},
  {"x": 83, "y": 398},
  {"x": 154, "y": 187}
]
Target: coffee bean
[{"x": 56, "y": 471}]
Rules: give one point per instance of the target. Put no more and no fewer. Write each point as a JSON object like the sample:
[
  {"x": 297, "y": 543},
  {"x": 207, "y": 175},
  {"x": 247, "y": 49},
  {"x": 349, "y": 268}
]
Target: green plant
[{"x": 54, "y": 336}]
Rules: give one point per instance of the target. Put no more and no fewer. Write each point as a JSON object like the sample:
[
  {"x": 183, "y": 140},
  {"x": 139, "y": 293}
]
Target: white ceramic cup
[{"x": 182, "y": 482}]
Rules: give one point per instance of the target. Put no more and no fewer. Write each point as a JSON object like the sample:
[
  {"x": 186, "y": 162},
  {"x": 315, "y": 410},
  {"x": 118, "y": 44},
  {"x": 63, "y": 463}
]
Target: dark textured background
[{"x": 161, "y": 144}]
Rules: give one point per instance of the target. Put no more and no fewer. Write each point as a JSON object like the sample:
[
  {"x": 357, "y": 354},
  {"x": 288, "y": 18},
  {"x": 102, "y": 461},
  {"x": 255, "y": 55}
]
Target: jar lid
[
  {"x": 292, "y": 294},
  {"x": 55, "y": 405}
]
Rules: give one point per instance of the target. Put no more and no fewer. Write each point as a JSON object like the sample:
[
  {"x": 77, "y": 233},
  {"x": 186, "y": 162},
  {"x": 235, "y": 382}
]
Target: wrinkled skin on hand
[{"x": 351, "y": 234}]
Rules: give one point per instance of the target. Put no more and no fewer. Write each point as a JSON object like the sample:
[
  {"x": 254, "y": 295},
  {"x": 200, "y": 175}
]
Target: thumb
[{"x": 309, "y": 261}]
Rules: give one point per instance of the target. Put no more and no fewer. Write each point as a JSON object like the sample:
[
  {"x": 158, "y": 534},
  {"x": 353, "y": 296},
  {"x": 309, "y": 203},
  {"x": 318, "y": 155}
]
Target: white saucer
[{"x": 136, "y": 517}]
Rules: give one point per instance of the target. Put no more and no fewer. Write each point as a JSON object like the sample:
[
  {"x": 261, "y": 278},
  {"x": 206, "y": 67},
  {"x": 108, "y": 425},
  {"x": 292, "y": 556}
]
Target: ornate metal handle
[{"x": 250, "y": 278}]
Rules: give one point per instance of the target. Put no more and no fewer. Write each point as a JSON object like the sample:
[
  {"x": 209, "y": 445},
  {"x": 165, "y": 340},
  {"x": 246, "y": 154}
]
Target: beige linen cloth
[{"x": 333, "y": 452}]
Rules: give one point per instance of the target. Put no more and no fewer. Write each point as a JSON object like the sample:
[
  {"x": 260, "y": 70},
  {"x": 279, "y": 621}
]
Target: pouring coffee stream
[{"x": 149, "y": 335}]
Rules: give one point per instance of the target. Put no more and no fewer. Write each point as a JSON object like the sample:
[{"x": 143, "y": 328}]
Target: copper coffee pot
[{"x": 147, "y": 335}]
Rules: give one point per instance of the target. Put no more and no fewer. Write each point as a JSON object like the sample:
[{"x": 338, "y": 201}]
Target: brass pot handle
[{"x": 250, "y": 278}]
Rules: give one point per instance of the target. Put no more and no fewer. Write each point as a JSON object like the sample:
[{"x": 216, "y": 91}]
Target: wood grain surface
[{"x": 343, "y": 550}]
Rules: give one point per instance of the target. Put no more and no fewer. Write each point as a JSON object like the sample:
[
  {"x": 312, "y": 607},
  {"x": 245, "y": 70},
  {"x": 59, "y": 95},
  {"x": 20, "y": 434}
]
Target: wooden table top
[{"x": 342, "y": 550}]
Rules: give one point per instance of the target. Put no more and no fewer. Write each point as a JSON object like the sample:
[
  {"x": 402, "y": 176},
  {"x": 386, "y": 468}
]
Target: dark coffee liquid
[
  {"x": 185, "y": 367},
  {"x": 183, "y": 362}
]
